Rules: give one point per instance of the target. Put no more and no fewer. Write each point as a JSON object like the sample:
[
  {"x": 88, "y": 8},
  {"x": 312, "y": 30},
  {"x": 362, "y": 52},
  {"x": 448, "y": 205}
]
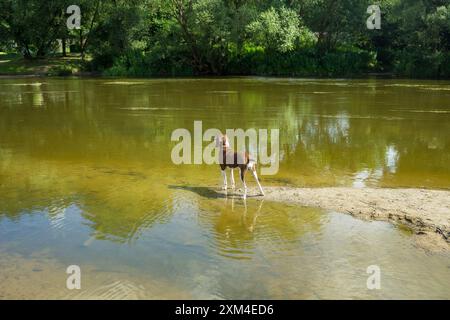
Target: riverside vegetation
[{"x": 144, "y": 38}]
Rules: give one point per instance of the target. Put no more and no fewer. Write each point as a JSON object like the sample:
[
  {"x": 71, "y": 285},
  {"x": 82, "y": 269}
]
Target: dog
[{"x": 242, "y": 160}]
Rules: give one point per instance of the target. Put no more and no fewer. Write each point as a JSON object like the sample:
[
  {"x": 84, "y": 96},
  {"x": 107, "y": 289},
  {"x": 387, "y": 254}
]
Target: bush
[
  {"x": 420, "y": 65},
  {"x": 303, "y": 62},
  {"x": 135, "y": 63},
  {"x": 348, "y": 62},
  {"x": 60, "y": 71},
  {"x": 101, "y": 61},
  {"x": 252, "y": 60}
]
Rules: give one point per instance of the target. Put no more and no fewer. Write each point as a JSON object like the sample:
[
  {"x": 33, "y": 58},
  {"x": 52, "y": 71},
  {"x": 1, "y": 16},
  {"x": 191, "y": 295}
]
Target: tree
[
  {"x": 33, "y": 25},
  {"x": 275, "y": 29}
]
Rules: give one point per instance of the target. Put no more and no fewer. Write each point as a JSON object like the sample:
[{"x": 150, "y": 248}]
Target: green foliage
[
  {"x": 276, "y": 30},
  {"x": 15, "y": 64},
  {"x": 33, "y": 25},
  {"x": 61, "y": 71},
  {"x": 304, "y": 62},
  {"x": 219, "y": 37}
]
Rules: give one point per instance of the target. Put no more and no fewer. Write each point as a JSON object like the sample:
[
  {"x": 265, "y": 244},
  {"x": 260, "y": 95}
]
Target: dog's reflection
[
  {"x": 237, "y": 215},
  {"x": 248, "y": 218}
]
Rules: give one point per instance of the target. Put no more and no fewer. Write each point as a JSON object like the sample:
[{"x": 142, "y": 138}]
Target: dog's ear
[{"x": 227, "y": 142}]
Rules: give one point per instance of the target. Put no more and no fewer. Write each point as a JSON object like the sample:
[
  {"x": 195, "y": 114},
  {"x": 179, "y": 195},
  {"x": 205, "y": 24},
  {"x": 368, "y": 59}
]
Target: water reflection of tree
[
  {"x": 321, "y": 134},
  {"x": 52, "y": 145},
  {"x": 117, "y": 204},
  {"x": 322, "y": 125}
]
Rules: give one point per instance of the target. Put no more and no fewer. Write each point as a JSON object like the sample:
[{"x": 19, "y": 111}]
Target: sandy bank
[{"x": 426, "y": 212}]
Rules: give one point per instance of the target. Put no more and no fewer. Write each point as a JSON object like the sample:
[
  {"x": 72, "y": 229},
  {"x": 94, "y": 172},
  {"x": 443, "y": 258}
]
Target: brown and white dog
[{"x": 242, "y": 160}]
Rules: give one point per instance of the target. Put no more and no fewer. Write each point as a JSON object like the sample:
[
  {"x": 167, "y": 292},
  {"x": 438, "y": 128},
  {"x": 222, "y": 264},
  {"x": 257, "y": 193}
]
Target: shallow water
[{"x": 86, "y": 179}]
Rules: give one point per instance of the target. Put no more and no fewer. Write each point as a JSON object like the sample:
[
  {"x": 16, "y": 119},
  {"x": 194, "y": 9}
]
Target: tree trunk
[
  {"x": 41, "y": 52},
  {"x": 81, "y": 45},
  {"x": 26, "y": 53},
  {"x": 64, "y": 50},
  {"x": 84, "y": 43}
]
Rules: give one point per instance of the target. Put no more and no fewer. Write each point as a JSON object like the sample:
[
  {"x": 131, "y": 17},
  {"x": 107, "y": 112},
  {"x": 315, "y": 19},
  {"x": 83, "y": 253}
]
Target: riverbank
[
  {"x": 15, "y": 65},
  {"x": 426, "y": 212}
]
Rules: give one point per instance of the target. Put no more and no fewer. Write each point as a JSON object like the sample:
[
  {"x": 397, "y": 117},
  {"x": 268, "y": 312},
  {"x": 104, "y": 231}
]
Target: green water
[{"x": 86, "y": 178}]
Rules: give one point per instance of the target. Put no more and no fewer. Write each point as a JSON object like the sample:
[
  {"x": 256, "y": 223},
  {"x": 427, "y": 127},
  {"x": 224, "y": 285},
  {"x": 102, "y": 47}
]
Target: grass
[{"x": 15, "y": 64}]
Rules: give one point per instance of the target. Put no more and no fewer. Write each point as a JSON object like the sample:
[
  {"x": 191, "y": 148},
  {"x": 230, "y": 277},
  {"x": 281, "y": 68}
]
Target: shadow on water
[
  {"x": 211, "y": 193},
  {"x": 205, "y": 192}
]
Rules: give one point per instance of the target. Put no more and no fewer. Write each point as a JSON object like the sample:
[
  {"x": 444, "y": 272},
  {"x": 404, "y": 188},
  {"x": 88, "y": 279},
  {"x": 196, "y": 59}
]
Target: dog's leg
[
  {"x": 224, "y": 175},
  {"x": 252, "y": 225},
  {"x": 232, "y": 178},
  {"x": 244, "y": 216},
  {"x": 257, "y": 181},
  {"x": 243, "y": 182}
]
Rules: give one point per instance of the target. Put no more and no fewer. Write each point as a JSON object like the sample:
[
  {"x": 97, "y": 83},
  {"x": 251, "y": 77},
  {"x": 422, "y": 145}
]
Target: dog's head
[{"x": 222, "y": 141}]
